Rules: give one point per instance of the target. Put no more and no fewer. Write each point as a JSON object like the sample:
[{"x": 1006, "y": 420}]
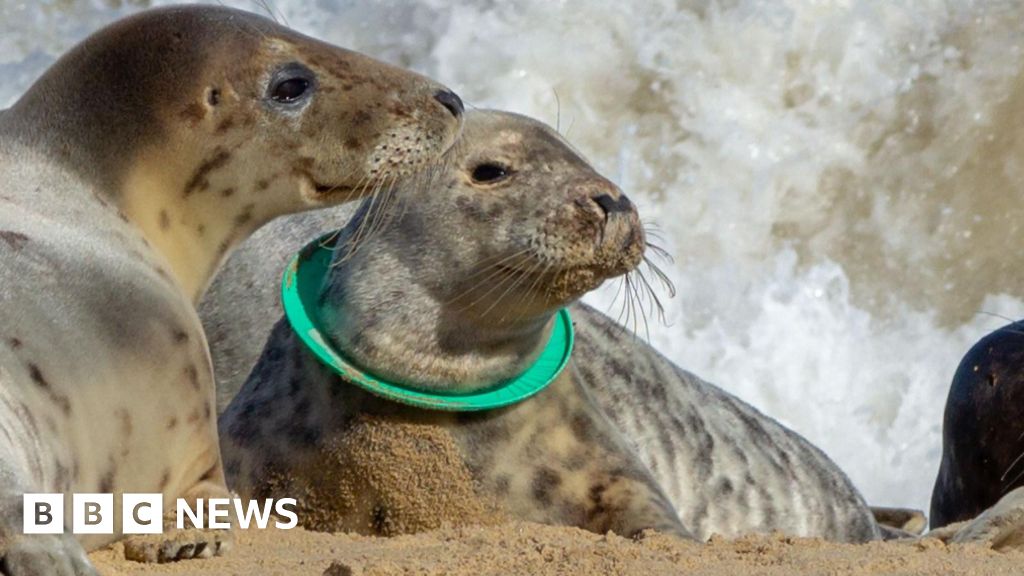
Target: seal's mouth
[
  {"x": 316, "y": 192},
  {"x": 324, "y": 189}
]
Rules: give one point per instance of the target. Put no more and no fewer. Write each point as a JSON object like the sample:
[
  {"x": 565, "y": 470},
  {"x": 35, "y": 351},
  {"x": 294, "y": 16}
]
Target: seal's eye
[
  {"x": 489, "y": 172},
  {"x": 290, "y": 90},
  {"x": 291, "y": 84}
]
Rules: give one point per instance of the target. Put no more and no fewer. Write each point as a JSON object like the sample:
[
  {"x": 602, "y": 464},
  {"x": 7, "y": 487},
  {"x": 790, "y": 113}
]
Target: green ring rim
[{"x": 300, "y": 287}]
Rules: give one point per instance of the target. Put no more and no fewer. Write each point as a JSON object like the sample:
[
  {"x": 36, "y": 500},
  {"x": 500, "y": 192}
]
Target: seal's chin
[
  {"x": 557, "y": 288},
  {"x": 572, "y": 283},
  {"x": 618, "y": 252}
]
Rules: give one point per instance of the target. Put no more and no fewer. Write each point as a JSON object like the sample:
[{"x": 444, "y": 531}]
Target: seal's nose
[
  {"x": 611, "y": 205},
  {"x": 451, "y": 101}
]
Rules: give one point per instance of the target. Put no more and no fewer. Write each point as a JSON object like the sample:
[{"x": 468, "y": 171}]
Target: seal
[
  {"x": 127, "y": 172},
  {"x": 459, "y": 292},
  {"x": 982, "y": 429}
]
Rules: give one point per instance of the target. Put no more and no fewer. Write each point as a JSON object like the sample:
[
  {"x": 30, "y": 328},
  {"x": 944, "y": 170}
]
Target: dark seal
[{"x": 983, "y": 429}]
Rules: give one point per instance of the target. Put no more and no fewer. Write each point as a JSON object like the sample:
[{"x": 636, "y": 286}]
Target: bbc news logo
[{"x": 143, "y": 513}]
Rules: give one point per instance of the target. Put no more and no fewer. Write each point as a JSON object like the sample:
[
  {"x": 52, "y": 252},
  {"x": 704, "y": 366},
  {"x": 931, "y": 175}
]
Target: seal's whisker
[
  {"x": 265, "y": 5},
  {"x": 638, "y": 307},
  {"x": 630, "y": 301},
  {"x": 371, "y": 212},
  {"x": 655, "y": 303},
  {"x": 373, "y": 216},
  {"x": 348, "y": 246},
  {"x": 630, "y": 305},
  {"x": 357, "y": 186},
  {"x": 345, "y": 245},
  {"x": 997, "y": 315},
  {"x": 645, "y": 312},
  {"x": 623, "y": 317},
  {"x": 361, "y": 232},
  {"x": 380, "y": 216},
  {"x": 1010, "y": 467},
  {"x": 654, "y": 231},
  {"x": 640, "y": 313},
  {"x": 499, "y": 272},
  {"x": 496, "y": 271},
  {"x": 1012, "y": 322},
  {"x": 518, "y": 277},
  {"x": 533, "y": 289},
  {"x": 618, "y": 292},
  {"x": 517, "y": 305},
  {"x": 572, "y": 122},
  {"x": 491, "y": 270},
  {"x": 505, "y": 276},
  {"x": 661, "y": 277},
  {"x": 489, "y": 264},
  {"x": 372, "y": 185},
  {"x": 1013, "y": 482},
  {"x": 354, "y": 238},
  {"x": 660, "y": 252},
  {"x": 325, "y": 243}
]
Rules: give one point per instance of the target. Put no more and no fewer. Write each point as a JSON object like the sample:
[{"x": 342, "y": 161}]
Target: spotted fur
[
  {"x": 624, "y": 440},
  {"x": 110, "y": 228}
]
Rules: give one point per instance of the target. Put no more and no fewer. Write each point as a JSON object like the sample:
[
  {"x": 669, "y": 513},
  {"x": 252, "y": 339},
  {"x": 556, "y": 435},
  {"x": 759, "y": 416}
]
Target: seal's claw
[
  {"x": 31, "y": 555},
  {"x": 1001, "y": 527},
  {"x": 178, "y": 545}
]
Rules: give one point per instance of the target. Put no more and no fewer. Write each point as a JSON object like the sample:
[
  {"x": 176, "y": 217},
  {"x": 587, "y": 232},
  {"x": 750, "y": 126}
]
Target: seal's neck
[
  {"x": 195, "y": 208},
  {"x": 382, "y": 313}
]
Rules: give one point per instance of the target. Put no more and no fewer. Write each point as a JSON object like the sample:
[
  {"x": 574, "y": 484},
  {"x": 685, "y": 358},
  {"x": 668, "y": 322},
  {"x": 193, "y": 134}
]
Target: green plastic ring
[{"x": 300, "y": 288}]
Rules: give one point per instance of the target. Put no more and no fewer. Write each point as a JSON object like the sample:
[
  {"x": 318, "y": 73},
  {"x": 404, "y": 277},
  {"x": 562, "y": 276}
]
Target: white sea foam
[{"x": 841, "y": 182}]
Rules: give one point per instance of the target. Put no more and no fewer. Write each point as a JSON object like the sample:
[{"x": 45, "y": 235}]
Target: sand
[{"x": 524, "y": 548}]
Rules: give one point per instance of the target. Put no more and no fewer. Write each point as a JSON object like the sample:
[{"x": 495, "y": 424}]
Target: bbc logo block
[
  {"x": 93, "y": 513},
  {"x": 43, "y": 513},
  {"x": 142, "y": 514}
]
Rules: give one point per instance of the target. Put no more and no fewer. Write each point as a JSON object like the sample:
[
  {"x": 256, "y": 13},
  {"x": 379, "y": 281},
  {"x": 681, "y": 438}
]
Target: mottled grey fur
[{"x": 726, "y": 468}]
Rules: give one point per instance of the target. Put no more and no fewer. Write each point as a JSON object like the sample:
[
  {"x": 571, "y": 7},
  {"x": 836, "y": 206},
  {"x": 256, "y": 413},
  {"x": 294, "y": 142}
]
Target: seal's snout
[{"x": 451, "y": 101}]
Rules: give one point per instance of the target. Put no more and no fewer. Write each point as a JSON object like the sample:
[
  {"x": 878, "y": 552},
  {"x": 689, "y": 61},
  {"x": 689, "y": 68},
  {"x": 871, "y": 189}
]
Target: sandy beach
[{"x": 524, "y": 548}]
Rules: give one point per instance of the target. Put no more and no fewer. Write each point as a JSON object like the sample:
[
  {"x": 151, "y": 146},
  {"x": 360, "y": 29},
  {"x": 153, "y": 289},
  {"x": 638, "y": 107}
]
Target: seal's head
[
  {"x": 459, "y": 289},
  {"x": 524, "y": 204},
  {"x": 203, "y": 122}
]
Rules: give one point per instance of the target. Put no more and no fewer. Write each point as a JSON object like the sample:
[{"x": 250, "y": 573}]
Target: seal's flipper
[
  {"x": 189, "y": 542},
  {"x": 1001, "y": 527},
  {"x": 902, "y": 520}
]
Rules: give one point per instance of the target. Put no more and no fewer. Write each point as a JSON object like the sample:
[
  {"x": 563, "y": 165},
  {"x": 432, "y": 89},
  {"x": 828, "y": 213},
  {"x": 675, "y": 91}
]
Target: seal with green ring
[{"x": 300, "y": 288}]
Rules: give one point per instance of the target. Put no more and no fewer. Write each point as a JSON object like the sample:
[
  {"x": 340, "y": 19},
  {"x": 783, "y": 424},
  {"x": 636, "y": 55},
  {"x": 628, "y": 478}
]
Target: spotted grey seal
[
  {"x": 129, "y": 170},
  {"x": 459, "y": 292}
]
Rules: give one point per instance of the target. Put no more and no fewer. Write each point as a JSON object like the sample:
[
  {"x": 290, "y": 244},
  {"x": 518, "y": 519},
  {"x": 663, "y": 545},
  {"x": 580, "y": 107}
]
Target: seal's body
[
  {"x": 982, "y": 429},
  {"x": 127, "y": 172},
  {"x": 728, "y": 468},
  {"x": 603, "y": 448}
]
